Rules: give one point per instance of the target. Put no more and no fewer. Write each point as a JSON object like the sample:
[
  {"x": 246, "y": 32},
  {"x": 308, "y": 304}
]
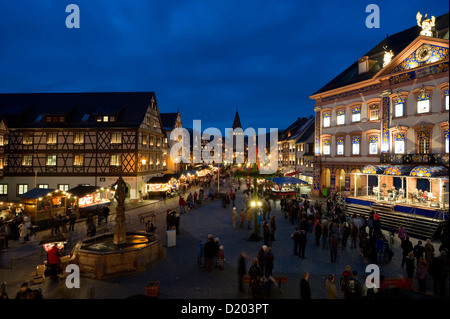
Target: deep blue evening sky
[{"x": 203, "y": 57}]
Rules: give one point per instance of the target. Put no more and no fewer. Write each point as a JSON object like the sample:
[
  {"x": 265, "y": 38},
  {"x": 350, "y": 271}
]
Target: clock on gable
[{"x": 423, "y": 53}]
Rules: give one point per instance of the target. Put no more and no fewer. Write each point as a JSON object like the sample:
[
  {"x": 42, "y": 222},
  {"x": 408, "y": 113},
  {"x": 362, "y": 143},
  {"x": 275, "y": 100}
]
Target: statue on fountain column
[{"x": 120, "y": 234}]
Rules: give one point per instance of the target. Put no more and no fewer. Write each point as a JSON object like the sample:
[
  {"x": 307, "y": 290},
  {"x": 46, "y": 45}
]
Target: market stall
[
  {"x": 43, "y": 203},
  {"x": 89, "y": 199},
  {"x": 158, "y": 186},
  {"x": 286, "y": 185}
]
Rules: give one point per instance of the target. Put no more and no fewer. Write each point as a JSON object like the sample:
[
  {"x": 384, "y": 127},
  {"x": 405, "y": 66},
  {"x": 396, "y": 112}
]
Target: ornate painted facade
[{"x": 381, "y": 112}]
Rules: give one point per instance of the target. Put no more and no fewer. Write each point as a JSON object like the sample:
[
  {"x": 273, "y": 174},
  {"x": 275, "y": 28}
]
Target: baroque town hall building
[{"x": 381, "y": 126}]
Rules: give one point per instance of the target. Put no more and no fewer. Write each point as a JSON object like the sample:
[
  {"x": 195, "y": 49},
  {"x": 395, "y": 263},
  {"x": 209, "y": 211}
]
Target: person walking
[
  {"x": 354, "y": 232},
  {"x": 305, "y": 289},
  {"x": 380, "y": 247},
  {"x": 330, "y": 287},
  {"x": 346, "y": 274},
  {"x": 401, "y": 233},
  {"x": 333, "y": 243},
  {"x": 325, "y": 231},
  {"x": 261, "y": 253}
]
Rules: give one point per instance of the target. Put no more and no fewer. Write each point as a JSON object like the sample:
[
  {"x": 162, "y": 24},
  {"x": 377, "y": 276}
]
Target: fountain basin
[{"x": 99, "y": 258}]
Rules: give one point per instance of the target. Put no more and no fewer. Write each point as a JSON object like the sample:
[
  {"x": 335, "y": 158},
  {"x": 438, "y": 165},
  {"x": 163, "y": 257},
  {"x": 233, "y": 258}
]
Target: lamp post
[{"x": 256, "y": 206}]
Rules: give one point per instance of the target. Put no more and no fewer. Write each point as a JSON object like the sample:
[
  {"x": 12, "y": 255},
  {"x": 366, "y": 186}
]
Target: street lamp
[{"x": 256, "y": 205}]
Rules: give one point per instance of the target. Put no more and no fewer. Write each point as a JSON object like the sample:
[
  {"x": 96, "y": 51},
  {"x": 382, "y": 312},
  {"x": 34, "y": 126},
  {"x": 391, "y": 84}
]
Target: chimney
[{"x": 363, "y": 65}]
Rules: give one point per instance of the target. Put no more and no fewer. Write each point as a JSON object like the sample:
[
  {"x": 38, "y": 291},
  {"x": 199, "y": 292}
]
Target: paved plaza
[{"x": 179, "y": 275}]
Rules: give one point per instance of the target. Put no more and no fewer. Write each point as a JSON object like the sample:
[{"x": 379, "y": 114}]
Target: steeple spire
[{"x": 237, "y": 121}]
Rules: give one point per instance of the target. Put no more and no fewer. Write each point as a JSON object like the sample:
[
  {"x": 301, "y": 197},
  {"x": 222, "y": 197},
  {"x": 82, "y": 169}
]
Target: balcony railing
[{"x": 416, "y": 159}]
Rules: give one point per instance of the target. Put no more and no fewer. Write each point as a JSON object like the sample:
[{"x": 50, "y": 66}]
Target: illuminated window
[
  {"x": 22, "y": 189},
  {"x": 399, "y": 108},
  {"x": 78, "y": 138},
  {"x": 78, "y": 160},
  {"x": 326, "y": 119},
  {"x": 340, "y": 146},
  {"x": 2, "y": 142},
  {"x": 340, "y": 119},
  {"x": 326, "y": 147},
  {"x": 446, "y": 140},
  {"x": 356, "y": 114},
  {"x": 446, "y": 100},
  {"x": 1, "y": 163},
  {"x": 43, "y": 186},
  {"x": 373, "y": 112},
  {"x": 51, "y": 160},
  {"x": 423, "y": 103},
  {"x": 63, "y": 187},
  {"x": 356, "y": 143},
  {"x": 27, "y": 139},
  {"x": 116, "y": 138},
  {"x": 105, "y": 118},
  {"x": 399, "y": 143},
  {"x": 115, "y": 160},
  {"x": 3, "y": 189},
  {"x": 52, "y": 138},
  {"x": 373, "y": 144},
  {"x": 27, "y": 160}
]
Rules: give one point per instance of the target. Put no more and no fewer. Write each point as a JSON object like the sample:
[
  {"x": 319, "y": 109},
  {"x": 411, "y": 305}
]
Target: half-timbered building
[{"x": 62, "y": 140}]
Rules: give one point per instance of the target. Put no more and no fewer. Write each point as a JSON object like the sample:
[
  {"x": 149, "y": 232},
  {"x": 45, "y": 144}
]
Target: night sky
[{"x": 206, "y": 58}]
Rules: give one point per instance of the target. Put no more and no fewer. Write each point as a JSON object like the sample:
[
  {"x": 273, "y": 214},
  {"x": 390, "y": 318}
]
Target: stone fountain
[{"x": 118, "y": 253}]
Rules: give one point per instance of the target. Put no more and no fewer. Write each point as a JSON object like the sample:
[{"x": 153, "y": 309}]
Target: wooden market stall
[
  {"x": 43, "y": 203},
  {"x": 89, "y": 199}
]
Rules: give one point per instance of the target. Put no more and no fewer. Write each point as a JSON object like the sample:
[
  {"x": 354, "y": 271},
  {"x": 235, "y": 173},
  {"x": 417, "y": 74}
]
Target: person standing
[
  {"x": 305, "y": 289},
  {"x": 242, "y": 270},
  {"x": 106, "y": 214},
  {"x": 410, "y": 265},
  {"x": 296, "y": 238},
  {"x": 235, "y": 217},
  {"x": 353, "y": 290},
  {"x": 419, "y": 251},
  {"x": 333, "y": 243},
  {"x": 422, "y": 274},
  {"x": 407, "y": 247},
  {"x": 317, "y": 231},
  {"x": 249, "y": 218},
  {"x": 266, "y": 233},
  {"x": 208, "y": 254},
  {"x": 302, "y": 244},
  {"x": 273, "y": 228},
  {"x": 23, "y": 292},
  {"x": 199, "y": 252},
  {"x": 220, "y": 258},
  {"x": 429, "y": 251},
  {"x": 72, "y": 220},
  {"x": 260, "y": 259},
  {"x": 268, "y": 262},
  {"x": 242, "y": 217},
  {"x": 331, "y": 288}
]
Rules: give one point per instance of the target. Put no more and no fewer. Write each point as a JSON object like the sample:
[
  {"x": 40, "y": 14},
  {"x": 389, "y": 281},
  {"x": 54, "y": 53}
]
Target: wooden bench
[
  {"x": 279, "y": 280},
  {"x": 405, "y": 283}
]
